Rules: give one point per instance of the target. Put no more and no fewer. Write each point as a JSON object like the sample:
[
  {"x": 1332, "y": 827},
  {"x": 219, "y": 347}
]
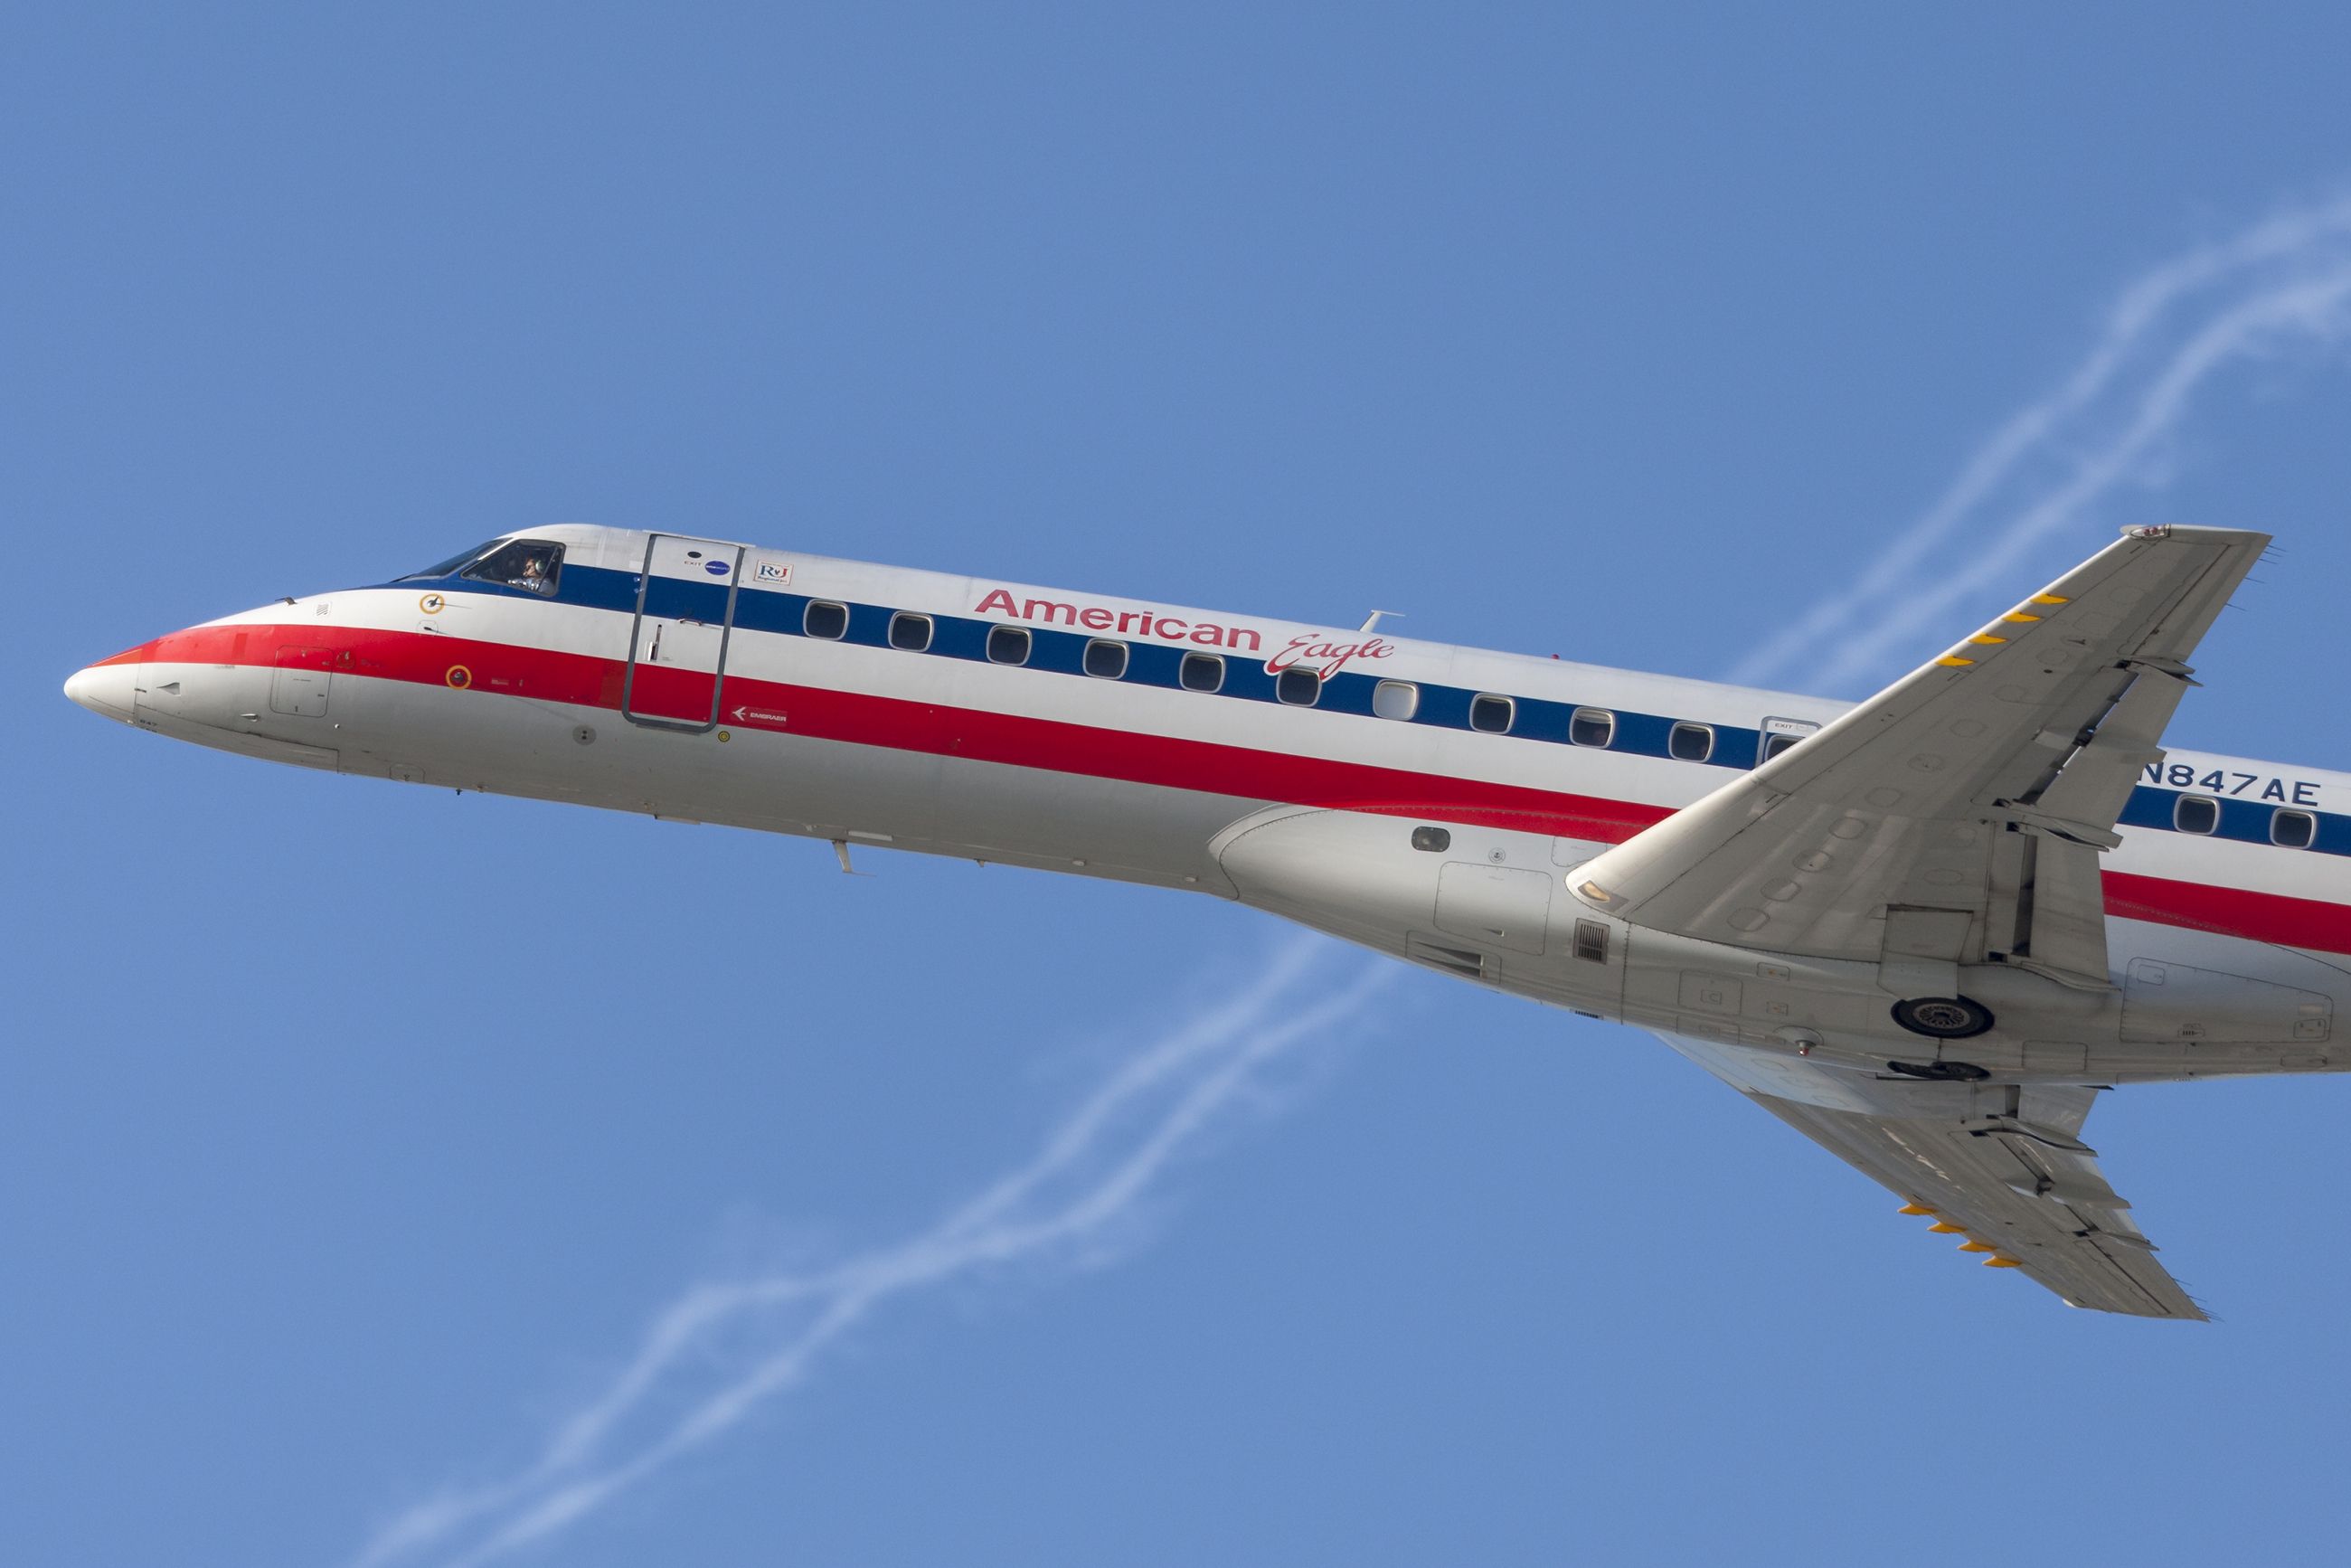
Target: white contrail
[
  {"x": 2284, "y": 259},
  {"x": 1088, "y": 1175},
  {"x": 2315, "y": 310}
]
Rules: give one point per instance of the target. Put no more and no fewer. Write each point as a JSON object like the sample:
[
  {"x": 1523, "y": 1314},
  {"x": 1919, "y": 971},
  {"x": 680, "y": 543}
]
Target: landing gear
[{"x": 1943, "y": 1018}]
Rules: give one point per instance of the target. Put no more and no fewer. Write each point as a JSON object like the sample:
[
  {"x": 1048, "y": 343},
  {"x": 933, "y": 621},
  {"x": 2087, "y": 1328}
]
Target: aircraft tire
[{"x": 1943, "y": 1018}]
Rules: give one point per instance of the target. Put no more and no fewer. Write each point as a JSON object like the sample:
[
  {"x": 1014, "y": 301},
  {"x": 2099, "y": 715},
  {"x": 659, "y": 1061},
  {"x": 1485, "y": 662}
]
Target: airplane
[{"x": 1925, "y": 930}]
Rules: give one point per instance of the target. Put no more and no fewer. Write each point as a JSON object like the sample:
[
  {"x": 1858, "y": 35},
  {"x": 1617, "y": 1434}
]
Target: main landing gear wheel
[{"x": 1943, "y": 1018}]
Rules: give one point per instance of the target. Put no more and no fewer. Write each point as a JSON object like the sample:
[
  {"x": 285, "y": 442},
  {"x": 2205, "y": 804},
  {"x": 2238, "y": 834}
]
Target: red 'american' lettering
[{"x": 1128, "y": 623}]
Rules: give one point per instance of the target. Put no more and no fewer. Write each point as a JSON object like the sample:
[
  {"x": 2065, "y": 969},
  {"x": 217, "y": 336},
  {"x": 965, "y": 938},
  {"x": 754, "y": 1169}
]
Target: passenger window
[
  {"x": 2294, "y": 829},
  {"x": 1591, "y": 941},
  {"x": 1201, "y": 672},
  {"x": 1298, "y": 688},
  {"x": 1432, "y": 841},
  {"x": 1105, "y": 658},
  {"x": 2196, "y": 814},
  {"x": 910, "y": 632},
  {"x": 530, "y": 565},
  {"x": 1775, "y": 744},
  {"x": 824, "y": 619},
  {"x": 1396, "y": 699},
  {"x": 1007, "y": 644},
  {"x": 1690, "y": 742},
  {"x": 1492, "y": 714},
  {"x": 1592, "y": 727}
]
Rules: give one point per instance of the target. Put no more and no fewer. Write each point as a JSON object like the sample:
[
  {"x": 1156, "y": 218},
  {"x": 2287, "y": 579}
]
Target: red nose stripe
[{"x": 860, "y": 719}]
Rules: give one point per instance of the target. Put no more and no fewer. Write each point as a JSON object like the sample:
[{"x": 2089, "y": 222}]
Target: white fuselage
[{"x": 1423, "y": 799}]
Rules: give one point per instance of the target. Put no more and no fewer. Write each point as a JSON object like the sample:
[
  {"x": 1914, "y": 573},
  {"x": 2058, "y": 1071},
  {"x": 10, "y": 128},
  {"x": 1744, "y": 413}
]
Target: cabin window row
[
  {"x": 2201, "y": 815},
  {"x": 1106, "y": 658}
]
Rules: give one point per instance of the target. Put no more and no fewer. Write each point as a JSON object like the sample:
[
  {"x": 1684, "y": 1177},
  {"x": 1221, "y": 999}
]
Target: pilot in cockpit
[
  {"x": 534, "y": 575},
  {"x": 530, "y": 565},
  {"x": 527, "y": 564}
]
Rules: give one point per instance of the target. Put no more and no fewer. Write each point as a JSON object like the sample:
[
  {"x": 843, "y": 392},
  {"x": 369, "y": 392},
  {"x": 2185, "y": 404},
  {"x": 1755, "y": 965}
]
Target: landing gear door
[{"x": 678, "y": 647}]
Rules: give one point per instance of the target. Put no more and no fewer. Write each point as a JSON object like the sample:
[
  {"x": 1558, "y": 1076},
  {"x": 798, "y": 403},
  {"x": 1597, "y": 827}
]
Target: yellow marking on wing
[
  {"x": 1946, "y": 1228},
  {"x": 2049, "y": 598},
  {"x": 1953, "y": 661},
  {"x": 1998, "y": 1262},
  {"x": 1986, "y": 637},
  {"x": 2019, "y": 616},
  {"x": 1971, "y": 1245},
  {"x": 1914, "y": 1209}
]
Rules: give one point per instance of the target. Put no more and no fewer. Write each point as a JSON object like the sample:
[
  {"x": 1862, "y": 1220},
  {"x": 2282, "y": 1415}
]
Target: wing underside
[
  {"x": 1957, "y": 817},
  {"x": 2002, "y": 1166}
]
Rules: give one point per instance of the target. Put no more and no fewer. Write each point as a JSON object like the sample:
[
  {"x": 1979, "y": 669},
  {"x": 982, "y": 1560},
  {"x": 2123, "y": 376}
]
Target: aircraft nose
[{"x": 105, "y": 689}]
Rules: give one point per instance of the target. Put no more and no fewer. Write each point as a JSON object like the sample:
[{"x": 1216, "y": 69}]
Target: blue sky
[{"x": 353, "y": 1136}]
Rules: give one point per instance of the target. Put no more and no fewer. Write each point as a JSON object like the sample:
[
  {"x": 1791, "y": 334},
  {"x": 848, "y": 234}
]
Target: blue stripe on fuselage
[{"x": 1246, "y": 679}]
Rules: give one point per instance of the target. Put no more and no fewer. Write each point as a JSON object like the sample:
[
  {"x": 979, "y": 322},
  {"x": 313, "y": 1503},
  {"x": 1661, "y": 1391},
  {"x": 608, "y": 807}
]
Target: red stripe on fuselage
[
  {"x": 1055, "y": 745},
  {"x": 898, "y": 724},
  {"x": 2276, "y": 918}
]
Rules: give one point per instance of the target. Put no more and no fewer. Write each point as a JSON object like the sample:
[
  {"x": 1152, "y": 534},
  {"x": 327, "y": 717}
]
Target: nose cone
[{"x": 106, "y": 690}]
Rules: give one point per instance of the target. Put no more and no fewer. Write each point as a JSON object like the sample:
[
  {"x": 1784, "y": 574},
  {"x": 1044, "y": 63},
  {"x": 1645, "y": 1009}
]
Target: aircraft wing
[
  {"x": 2002, "y": 1168},
  {"x": 1958, "y": 814}
]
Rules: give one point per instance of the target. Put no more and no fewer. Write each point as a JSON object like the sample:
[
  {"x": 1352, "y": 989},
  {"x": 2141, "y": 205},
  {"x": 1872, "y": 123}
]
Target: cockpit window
[
  {"x": 444, "y": 569},
  {"x": 531, "y": 565}
]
